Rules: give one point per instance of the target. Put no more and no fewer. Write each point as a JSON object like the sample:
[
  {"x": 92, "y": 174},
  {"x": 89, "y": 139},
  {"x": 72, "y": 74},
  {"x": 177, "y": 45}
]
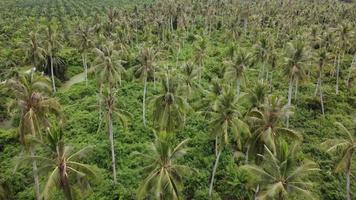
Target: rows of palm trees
[{"x": 253, "y": 122}]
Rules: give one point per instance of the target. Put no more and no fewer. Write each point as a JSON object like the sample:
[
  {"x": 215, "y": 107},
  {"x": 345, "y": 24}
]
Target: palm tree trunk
[
  {"x": 85, "y": 68},
  {"x": 337, "y": 75},
  {"x": 348, "y": 174},
  {"x": 247, "y": 152},
  {"x": 144, "y": 101},
  {"x": 296, "y": 89},
  {"x": 214, "y": 171},
  {"x": 111, "y": 134},
  {"x": 238, "y": 83},
  {"x": 111, "y": 138},
  {"x": 350, "y": 70},
  {"x": 52, "y": 74},
  {"x": 290, "y": 90},
  {"x": 65, "y": 184},
  {"x": 35, "y": 175},
  {"x": 256, "y": 192}
]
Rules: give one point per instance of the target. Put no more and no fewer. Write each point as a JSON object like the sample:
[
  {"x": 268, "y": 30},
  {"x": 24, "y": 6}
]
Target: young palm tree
[
  {"x": 65, "y": 171},
  {"x": 346, "y": 148},
  {"x": 31, "y": 101},
  {"x": 169, "y": 107},
  {"x": 144, "y": 70},
  {"x": 165, "y": 175},
  {"x": 109, "y": 71},
  {"x": 267, "y": 127},
  {"x": 236, "y": 68},
  {"x": 294, "y": 67},
  {"x": 282, "y": 175},
  {"x": 226, "y": 123}
]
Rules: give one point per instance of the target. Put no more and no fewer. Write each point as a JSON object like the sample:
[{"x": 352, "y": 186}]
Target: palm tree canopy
[
  {"x": 267, "y": 124},
  {"x": 294, "y": 61},
  {"x": 31, "y": 100},
  {"x": 226, "y": 118},
  {"x": 169, "y": 107},
  {"x": 165, "y": 175},
  {"x": 108, "y": 66},
  {"x": 282, "y": 174},
  {"x": 346, "y": 146},
  {"x": 63, "y": 166}
]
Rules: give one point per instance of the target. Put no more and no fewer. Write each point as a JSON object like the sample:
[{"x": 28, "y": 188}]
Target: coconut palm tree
[
  {"x": 65, "y": 171},
  {"x": 267, "y": 127},
  {"x": 235, "y": 70},
  {"x": 344, "y": 33},
  {"x": 200, "y": 54},
  {"x": 294, "y": 67},
  {"x": 258, "y": 94},
  {"x": 109, "y": 72},
  {"x": 31, "y": 101},
  {"x": 187, "y": 77},
  {"x": 165, "y": 175},
  {"x": 169, "y": 108},
  {"x": 226, "y": 124},
  {"x": 51, "y": 48},
  {"x": 85, "y": 43},
  {"x": 322, "y": 59},
  {"x": 35, "y": 54},
  {"x": 346, "y": 148},
  {"x": 282, "y": 175},
  {"x": 145, "y": 70}
]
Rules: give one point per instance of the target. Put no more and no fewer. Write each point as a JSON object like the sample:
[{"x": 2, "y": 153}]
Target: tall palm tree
[
  {"x": 144, "y": 70},
  {"x": 322, "y": 59},
  {"x": 344, "y": 33},
  {"x": 51, "y": 47},
  {"x": 169, "y": 108},
  {"x": 282, "y": 175},
  {"x": 188, "y": 76},
  {"x": 65, "y": 171},
  {"x": 109, "y": 71},
  {"x": 35, "y": 54},
  {"x": 294, "y": 67},
  {"x": 258, "y": 94},
  {"x": 261, "y": 52},
  {"x": 200, "y": 54},
  {"x": 267, "y": 127},
  {"x": 346, "y": 148},
  {"x": 31, "y": 101},
  {"x": 165, "y": 175},
  {"x": 85, "y": 43},
  {"x": 226, "y": 124},
  {"x": 236, "y": 68}
]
